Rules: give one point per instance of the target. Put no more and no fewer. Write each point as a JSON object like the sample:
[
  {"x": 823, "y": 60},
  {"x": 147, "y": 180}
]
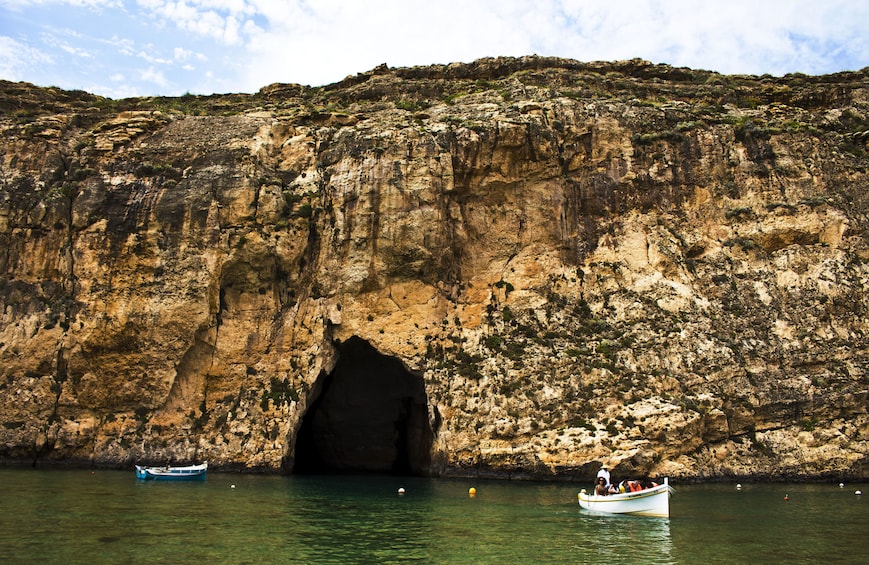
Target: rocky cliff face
[{"x": 513, "y": 268}]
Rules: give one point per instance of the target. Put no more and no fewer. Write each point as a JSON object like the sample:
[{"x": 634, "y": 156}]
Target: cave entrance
[{"x": 371, "y": 417}]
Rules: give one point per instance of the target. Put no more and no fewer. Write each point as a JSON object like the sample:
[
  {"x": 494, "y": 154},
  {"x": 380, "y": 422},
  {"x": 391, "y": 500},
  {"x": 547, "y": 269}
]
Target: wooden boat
[
  {"x": 167, "y": 473},
  {"x": 653, "y": 501}
]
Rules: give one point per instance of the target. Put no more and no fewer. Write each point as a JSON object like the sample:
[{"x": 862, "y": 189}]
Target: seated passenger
[
  {"x": 647, "y": 483},
  {"x": 600, "y": 488}
]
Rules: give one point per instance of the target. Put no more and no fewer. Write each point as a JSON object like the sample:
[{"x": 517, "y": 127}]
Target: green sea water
[{"x": 79, "y": 516}]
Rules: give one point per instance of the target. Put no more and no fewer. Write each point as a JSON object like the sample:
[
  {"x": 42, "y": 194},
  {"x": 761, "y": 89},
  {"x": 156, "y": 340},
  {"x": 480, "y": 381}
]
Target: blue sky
[{"x": 121, "y": 48}]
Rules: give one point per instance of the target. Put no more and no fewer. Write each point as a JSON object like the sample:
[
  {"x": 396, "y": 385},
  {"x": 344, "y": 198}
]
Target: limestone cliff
[{"x": 514, "y": 268}]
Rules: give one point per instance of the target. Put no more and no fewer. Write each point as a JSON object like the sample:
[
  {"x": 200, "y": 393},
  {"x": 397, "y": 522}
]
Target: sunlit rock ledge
[{"x": 517, "y": 268}]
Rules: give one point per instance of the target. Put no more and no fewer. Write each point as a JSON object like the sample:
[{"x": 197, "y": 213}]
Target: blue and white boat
[{"x": 167, "y": 473}]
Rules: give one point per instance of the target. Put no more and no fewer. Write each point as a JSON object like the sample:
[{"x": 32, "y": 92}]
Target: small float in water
[
  {"x": 653, "y": 501},
  {"x": 167, "y": 473}
]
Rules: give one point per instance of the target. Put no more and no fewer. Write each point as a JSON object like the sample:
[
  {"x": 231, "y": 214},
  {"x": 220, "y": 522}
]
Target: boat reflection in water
[{"x": 623, "y": 538}]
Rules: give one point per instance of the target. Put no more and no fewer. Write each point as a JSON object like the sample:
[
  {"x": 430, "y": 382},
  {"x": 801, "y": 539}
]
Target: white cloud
[
  {"x": 323, "y": 41},
  {"x": 154, "y": 76},
  {"x": 17, "y": 58},
  {"x": 182, "y": 56},
  {"x": 76, "y": 51},
  {"x": 220, "y": 20},
  {"x": 51, "y": 41},
  {"x": 739, "y": 36},
  {"x": 151, "y": 58},
  {"x": 20, "y": 4},
  {"x": 242, "y": 45},
  {"x": 124, "y": 45}
]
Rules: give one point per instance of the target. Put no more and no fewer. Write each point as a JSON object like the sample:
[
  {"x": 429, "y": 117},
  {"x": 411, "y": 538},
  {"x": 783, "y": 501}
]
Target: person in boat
[
  {"x": 647, "y": 483},
  {"x": 600, "y": 488},
  {"x": 629, "y": 485},
  {"x": 605, "y": 474}
]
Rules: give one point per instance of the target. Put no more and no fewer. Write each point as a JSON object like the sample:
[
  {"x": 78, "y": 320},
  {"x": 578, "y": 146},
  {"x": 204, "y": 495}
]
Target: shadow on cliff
[{"x": 370, "y": 417}]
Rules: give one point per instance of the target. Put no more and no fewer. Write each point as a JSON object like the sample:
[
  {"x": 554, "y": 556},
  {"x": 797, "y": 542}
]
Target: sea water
[{"x": 96, "y": 517}]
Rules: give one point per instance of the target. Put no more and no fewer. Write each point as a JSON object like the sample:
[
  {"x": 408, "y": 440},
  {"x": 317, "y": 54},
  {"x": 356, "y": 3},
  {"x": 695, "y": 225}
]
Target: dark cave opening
[{"x": 371, "y": 417}]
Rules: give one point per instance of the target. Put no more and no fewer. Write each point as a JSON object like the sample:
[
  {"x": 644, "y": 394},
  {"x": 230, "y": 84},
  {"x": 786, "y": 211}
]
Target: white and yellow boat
[{"x": 654, "y": 501}]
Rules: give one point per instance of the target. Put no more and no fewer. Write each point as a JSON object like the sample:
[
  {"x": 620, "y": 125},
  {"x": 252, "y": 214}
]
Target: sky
[{"x": 125, "y": 48}]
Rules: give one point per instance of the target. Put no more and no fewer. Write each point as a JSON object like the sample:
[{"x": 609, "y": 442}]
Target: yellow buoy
[{"x": 472, "y": 492}]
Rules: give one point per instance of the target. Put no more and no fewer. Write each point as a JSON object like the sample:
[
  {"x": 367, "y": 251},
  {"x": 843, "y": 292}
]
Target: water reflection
[
  {"x": 627, "y": 539},
  {"x": 333, "y": 519}
]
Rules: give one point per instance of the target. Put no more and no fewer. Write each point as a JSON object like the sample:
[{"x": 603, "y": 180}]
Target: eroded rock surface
[{"x": 658, "y": 268}]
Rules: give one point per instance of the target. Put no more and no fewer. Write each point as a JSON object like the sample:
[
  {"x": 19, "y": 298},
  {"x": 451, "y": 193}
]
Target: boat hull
[
  {"x": 189, "y": 473},
  {"x": 649, "y": 502}
]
